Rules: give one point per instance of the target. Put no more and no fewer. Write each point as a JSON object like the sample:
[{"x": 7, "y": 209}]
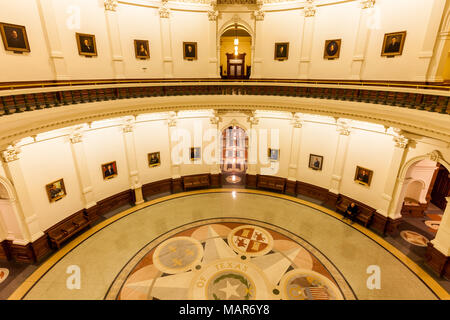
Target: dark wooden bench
[
  {"x": 196, "y": 181},
  {"x": 64, "y": 230},
  {"x": 270, "y": 182},
  {"x": 364, "y": 214}
]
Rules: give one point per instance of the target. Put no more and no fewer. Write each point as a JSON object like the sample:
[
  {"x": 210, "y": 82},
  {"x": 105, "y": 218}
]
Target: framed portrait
[
  {"x": 56, "y": 190},
  {"x": 363, "y": 176},
  {"x": 154, "y": 159},
  {"x": 393, "y": 44},
  {"x": 190, "y": 50},
  {"x": 195, "y": 153},
  {"x": 315, "y": 162},
  {"x": 14, "y": 37},
  {"x": 273, "y": 154},
  {"x": 281, "y": 50},
  {"x": 142, "y": 49},
  {"x": 86, "y": 44},
  {"x": 332, "y": 49},
  {"x": 109, "y": 170}
]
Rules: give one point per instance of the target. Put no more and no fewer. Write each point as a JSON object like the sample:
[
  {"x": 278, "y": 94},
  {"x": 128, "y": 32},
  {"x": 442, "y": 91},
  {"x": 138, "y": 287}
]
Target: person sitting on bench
[{"x": 351, "y": 212}]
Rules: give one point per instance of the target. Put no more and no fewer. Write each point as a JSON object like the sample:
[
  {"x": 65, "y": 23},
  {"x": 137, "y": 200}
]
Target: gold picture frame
[
  {"x": 142, "y": 49},
  {"x": 56, "y": 190},
  {"x": 273, "y": 154},
  {"x": 154, "y": 159},
  {"x": 392, "y": 45},
  {"x": 281, "y": 51},
  {"x": 195, "y": 153},
  {"x": 332, "y": 49},
  {"x": 315, "y": 162},
  {"x": 14, "y": 37},
  {"x": 363, "y": 176},
  {"x": 86, "y": 44},
  {"x": 109, "y": 170},
  {"x": 190, "y": 50}
]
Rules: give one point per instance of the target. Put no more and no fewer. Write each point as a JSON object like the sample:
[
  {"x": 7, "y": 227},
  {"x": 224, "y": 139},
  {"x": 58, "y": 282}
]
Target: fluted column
[
  {"x": 307, "y": 40},
  {"x": 215, "y": 145},
  {"x": 24, "y": 209},
  {"x": 81, "y": 166},
  {"x": 166, "y": 40},
  {"x": 442, "y": 240},
  {"x": 253, "y": 145},
  {"x": 295, "y": 148},
  {"x": 362, "y": 37},
  {"x": 130, "y": 151},
  {"x": 112, "y": 25},
  {"x": 339, "y": 159},
  {"x": 391, "y": 177},
  {"x": 175, "y": 160},
  {"x": 258, "y": 50},
  {"x": 213, "y": 65}
]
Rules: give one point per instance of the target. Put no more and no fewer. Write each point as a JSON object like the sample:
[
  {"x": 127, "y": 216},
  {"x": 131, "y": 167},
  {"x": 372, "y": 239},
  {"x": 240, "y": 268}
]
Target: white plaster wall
[
  {"x": 103, "y": 146},
  {"x": 29, "y": 66},
  {"x": 43, "y": 163}
]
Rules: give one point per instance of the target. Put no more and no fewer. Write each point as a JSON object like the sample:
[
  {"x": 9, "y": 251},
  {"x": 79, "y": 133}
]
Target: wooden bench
[
  {"x": 364, "y": 214},
  {"x": 196, "y": 181},
  {"x": 66, "y": 229},
  {"x": 270, "y": 182}
]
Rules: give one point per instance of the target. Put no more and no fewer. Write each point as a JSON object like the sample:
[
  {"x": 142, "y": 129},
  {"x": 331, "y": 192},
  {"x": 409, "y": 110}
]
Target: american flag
[{"x": 318, "y": 293}]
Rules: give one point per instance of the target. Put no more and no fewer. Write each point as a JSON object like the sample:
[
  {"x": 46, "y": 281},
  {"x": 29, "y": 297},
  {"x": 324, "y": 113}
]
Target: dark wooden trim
[
  {"x": 41, "y": 248},
  {"x": 331, "y": 199},
  {"x": 271, "y": 183},
  {"x": 21, "y": 253},
  {"x": 379, "y": 223},
  {"x": 216, "y": 180},
  {"x": 291, "y": 187},
  {"x": 312, "y": 191},
  {"x": 196, "y": 181},
  {"x": 116, "y": 201},
  {"x": 66, "y": 229},
  {"x": 4, "y": 250},
  {"x": 152, "y": 188},
  {"x": 436, "y": 260},
  {"x": 177, "y": 185},
  {"x": 250, "y": 180},
  {"x": 392, "y": 226}
]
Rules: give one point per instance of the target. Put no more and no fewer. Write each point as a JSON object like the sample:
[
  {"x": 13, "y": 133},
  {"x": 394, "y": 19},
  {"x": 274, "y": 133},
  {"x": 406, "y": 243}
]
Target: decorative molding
[
  {"x": 435, "y": 156},
  {"x": 213, "y": 14},
  {"x": 11, "y": 153},
  {"x": 77, "y": 135},
  {"x": 172, "y": 120},
  {"x": 215, "y": 119},
  {"x": 297, "y": 122},
  {"x": 258, "y": 15},
  {"x": 343, "y": 128},
  {"x": 128, "y": 125},
  {"x": 367, "y": 4},
  {"x": 253, "y": 120},
  {"x": 310, "y": 9},
  {"x": 164, "y": 11},
  {"x": 110, "y": 5},
  {"x": 401, "y": 141}
]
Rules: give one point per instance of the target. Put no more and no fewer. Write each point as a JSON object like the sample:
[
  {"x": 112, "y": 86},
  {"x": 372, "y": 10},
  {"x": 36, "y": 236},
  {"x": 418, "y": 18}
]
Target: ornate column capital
[
  {"x": 435, "y": 156},
  {"x": 172, "y": 120},
  {"x": 401, "y": 141},
  {"x": 343, "y": 128},
  {"x": 128, "y": 125},
  {"x": 11, "y": 153},
  {"x": 76, "y": 136},
  {"x": 164, "y": 11},
  {"x": 297, "y": 122},
  {"x": 253, "y": 120},
  {"x": 367, "y": 4},
  {"x": 110, "y": 5},
  {"x": 215, "y": 119},
  {"x": 310, "y": 9},
  {"x": 258, "y": 15}
]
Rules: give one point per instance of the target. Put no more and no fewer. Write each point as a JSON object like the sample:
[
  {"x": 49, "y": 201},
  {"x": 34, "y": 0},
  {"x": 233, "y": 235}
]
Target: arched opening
[
  {"x": 6, "y": 210},
  {"x": 235, "y": 53},
  {"x": 427, "y": 184},
  {"x": 234, "y": 155}
]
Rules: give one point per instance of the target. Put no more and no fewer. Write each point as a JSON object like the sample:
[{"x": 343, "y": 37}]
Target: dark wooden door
[
  {"x": 235, "y": 66},
  {"x": 441, "y": 188}
]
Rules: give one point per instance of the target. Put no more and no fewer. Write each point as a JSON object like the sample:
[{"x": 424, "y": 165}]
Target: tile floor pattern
[
  {"x": 230, "y": 261},
  {"x": 103, "y": 255}
]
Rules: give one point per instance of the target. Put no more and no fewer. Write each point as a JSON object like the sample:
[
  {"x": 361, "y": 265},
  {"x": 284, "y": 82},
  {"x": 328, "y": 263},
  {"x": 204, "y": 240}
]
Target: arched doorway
[
  {"x": 234, "y": 155},
  {"x": 235, "y": 53},
  {"x": 426, "y": 185}
]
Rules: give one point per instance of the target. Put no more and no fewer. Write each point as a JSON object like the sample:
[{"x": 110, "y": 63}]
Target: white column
[
  {"x": 81, "y": 166},
  {"x": 253, "y": 146},
  {"x": 295, "y": 148},
  {"x": 213, "y": 65},
  {"x": 339, "y": 160},
  {"x": 442, "y": 240},
  {"x": 25, "y": 209},
  {"x": 307, "y": 40},
  {"x": 114, "y": 38},
  {"x": 395, "y": 210},
  {"x": 426, "y": 53},
  {"x": 396, "y": 162},
  {"x": 50, "y": 28},
  {"x": 215, "y": 121},
  {"x": 166, "y": 40},
  {"x": 258, "y": 49},
  {"x": 366, "y": 21},
  {"x": 173, "y": 137},
  {"x": 130, "y": 150}
]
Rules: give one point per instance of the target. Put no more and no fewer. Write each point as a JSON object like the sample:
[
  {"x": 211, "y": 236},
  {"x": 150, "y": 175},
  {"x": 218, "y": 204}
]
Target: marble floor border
[{"x": 29, "y": 283}]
